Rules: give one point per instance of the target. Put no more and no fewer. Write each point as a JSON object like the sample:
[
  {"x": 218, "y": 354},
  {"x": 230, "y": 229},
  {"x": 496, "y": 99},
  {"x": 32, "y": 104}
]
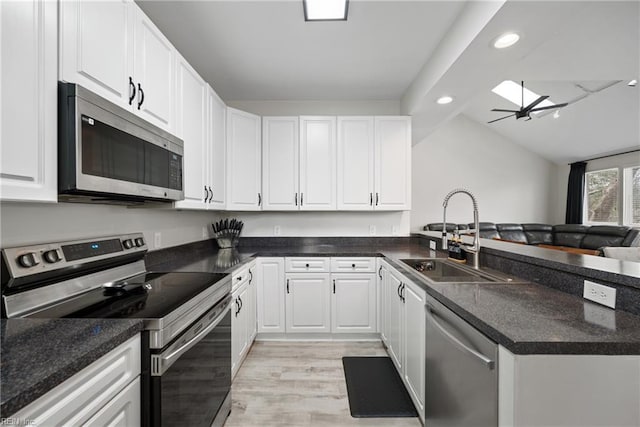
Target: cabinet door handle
[
  {"x": 398, "y": 291},
  {"x": 211, "y": 197},
  {"x": 334, "y": 286},
  {"x": 250, "y": 276},
  {"x": 301, "y": 199},
  {"x": 259, "y": 199},
  {"x": 401, "y": 293},
  {"x": 237, "y": 307},
  {"x": 380, "y": 272},
  {"x": 431, "y": 313},
  {"x": 296, "y": 199},
  {"x": 377, "y": 198},
  {"x": 206, "y": 194},
  {"x": 287, "y": 285},
  {"x": 140, "y": 96},
  {"x": 132, "y": 90},
  {"x": 240, "y": 299},
  {"x": 370, "y": 199}
]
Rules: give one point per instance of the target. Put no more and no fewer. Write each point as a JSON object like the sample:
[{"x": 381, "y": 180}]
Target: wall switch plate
[
  {"x": 432, "y": 245},
  {"x": 276, "y": 230},
  {"x": 601, "y": 294},
  {"x": 372, "y": 230},
  {"x": 157, "y": 240}
]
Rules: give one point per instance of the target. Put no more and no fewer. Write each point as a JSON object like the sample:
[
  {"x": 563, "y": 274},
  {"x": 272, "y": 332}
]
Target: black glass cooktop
[{"x": 146, "y": 296}]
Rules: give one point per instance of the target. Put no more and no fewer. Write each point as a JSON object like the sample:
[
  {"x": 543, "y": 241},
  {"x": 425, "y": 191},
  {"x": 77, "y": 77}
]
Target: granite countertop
[
  {"x": 524, "y": 317},
  {"x": 64, "y": 347}
]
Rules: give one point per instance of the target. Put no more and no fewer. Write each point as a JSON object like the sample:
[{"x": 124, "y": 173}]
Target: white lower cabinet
[
  {"x": 271, "y": 289},
  {"x": 403, "y": 331},
  {"x": 243, "y": 316},
  {"x": 353, "y": 302},
  {"x": 308, "y": 302},
  {"x": 107, "y": 392}
]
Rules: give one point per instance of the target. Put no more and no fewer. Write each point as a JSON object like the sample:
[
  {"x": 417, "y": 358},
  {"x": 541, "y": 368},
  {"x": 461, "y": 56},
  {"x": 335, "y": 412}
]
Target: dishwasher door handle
[{"x": 432, "y": 313}]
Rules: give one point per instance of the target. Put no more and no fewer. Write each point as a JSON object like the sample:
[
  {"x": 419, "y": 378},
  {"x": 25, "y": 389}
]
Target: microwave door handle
[
  {"x": 170, "y": 359},
  {"x": 488, "y": 362}
]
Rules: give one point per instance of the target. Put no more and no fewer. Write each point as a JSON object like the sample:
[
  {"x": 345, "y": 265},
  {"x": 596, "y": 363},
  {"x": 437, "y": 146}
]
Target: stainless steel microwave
[{"x": 107, "y": 154}]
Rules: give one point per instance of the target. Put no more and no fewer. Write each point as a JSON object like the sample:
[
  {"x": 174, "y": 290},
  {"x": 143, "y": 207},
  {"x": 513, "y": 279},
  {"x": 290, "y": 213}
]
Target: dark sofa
[{"x": 564, "y": 235}]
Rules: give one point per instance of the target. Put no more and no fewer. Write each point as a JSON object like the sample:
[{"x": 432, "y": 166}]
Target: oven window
[
  {"x": 111, "y": 153},
  {"x": 195, "y": 386}
]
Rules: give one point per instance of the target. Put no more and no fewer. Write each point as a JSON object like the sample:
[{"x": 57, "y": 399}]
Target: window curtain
[{"x": 575, "y": 193}]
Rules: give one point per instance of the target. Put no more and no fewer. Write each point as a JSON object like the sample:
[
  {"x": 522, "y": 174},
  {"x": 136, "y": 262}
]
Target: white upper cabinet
[
  {"x": 96, "y": 47},
  {"x": 243, "y": 161},
  {"x": 317, "y": 163},
  {"x": 280, "y": 143},
  {"x": 192, "y": 120},
  {"x": 28, "y": 115},
  {"x": 113, "y": 49},
  {"x": 154, "y": 71},
  {"x": 217, "y": 151},
  {"x": 393, "y": 163},
  {"x": 355, "y": 163}
]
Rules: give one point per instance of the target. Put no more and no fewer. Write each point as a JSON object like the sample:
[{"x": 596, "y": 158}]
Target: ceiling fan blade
[
  {"x": 505, "y": 111},
  {"x": 501, "y": 118},
  {"x": 534, "y": 103},
  {"x": 550, "y": 107}
]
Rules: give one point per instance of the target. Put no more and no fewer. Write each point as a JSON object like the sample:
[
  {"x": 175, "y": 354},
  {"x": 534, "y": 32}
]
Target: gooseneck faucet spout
[{"x": 475, "y": 248}]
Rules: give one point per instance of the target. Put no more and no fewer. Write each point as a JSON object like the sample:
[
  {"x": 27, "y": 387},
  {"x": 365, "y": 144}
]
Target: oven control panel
[{"x": 36, "y": 259}]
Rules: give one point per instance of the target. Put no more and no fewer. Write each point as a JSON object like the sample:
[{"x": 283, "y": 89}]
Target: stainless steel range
[{"x": 186, "y": 358}]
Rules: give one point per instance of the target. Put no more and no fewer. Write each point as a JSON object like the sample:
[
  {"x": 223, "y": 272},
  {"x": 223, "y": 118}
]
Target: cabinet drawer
[
  {"x": 353, "y": 265},
  {"x": 239, "y": 277},
  {"x": 310, "y": 264}
]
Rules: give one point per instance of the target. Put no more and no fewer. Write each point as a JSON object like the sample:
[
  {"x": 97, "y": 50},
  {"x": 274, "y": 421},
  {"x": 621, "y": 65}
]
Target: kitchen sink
[{"x": 441, "y": 270}]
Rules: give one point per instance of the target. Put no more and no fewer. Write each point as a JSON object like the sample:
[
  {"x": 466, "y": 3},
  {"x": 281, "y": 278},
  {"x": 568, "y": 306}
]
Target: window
[{"x": 613, "y": 196}]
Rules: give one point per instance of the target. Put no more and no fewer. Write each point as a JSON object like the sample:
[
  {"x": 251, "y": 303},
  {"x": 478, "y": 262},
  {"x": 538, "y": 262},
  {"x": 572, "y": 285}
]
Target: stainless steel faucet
[{"x": 475, "y": 248}]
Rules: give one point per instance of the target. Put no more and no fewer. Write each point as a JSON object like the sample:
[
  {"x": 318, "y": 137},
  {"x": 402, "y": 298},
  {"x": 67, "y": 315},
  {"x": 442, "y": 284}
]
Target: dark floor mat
[{"x": 375, "y": 389}]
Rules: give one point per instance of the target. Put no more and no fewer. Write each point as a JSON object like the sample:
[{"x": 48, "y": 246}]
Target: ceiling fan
[{"x": 525, "y": 112}]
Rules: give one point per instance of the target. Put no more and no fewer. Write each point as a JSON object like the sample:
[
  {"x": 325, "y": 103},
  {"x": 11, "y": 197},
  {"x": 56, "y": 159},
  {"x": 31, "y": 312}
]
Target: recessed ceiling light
[
  {"x": 513, "y": 92},
  {"x": 506, "y": 40},
  {"x": 444, "y": 100},
  {"x": 325, "y": 10},
  {"x": 632, "y": 83}
]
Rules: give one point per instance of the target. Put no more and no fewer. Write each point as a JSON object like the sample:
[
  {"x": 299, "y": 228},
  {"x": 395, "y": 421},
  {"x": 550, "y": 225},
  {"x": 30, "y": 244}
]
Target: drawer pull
[
  {"x": 353, "y": 266},
  {"x": 306, "y": 265}
]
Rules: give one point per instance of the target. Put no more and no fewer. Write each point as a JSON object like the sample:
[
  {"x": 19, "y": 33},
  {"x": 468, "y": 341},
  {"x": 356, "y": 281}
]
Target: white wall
[
  {"x": 511, "y": 184},
  {"x": 25, "y": 223}
]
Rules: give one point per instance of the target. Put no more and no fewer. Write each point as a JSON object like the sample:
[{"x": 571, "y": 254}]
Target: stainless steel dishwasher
[{"x": 461, "y": 387}]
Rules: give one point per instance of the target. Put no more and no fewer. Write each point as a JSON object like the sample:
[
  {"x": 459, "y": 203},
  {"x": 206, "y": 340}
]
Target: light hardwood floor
[{"x": 300, "y": 384}]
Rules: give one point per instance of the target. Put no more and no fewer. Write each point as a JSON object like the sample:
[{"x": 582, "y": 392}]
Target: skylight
[
  {"x": 325, "y": 10},
  {"x": 512, "y": 91}
]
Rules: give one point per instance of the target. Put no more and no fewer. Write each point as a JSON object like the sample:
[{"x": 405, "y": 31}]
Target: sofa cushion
[
  {"x": 437, "y": 226},
  {"x": 513, "y": 232},
  {"x": 570, "y": 235},
  {"x": 538, "y": 234},
  {"x": 604, "y": 235},
  {"x": 632, "y": 238},
  {"x": 488, "y": 230}
]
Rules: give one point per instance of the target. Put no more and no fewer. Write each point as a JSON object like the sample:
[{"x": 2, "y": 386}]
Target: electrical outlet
[
  {"x": 601, "y": 294},
  {"x": 157, "y": 240},
  {"x": 432, "y": 245},
  {"x": 394, "y": 230},
  {"x": 276, "y": 230},
  {"x": 372, "y": 230}
]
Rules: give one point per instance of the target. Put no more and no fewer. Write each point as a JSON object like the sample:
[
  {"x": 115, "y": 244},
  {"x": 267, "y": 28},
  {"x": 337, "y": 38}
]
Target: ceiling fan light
[
  {"x": 444, "y": 100},
  {"x": 633, "y": 83},
  {"x": 325, "y": 10},
  {"x": 506, "y": 40}
]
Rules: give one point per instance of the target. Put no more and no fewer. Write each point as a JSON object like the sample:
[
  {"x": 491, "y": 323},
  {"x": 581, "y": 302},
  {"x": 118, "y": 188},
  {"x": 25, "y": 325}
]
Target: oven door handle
[{"x": 160, "y": 363}]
